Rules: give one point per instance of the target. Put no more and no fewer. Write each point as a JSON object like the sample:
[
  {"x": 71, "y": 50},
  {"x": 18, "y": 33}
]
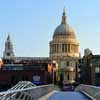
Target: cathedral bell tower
[{"x": 8, "y": 52}]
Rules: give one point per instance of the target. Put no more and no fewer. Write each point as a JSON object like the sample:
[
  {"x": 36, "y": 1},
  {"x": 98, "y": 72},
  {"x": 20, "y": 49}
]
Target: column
[
  {"x": 53, "y": 48},
  {"x": 64, "y": 48},
  {"x": 67, "y": 47},
  {"x": 77, "y": 49},
  {"x": 70, "y": 47},
  {"x": 64, "y": 76},
  {"x": 50, "y": 49},
  {"x": 72, "y": 76},
  {"x": 57, "y": 48},
  {"x": 61, "y": 48}
]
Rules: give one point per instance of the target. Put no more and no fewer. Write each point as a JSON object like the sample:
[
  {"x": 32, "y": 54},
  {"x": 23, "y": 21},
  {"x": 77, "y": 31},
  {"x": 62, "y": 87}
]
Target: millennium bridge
[{"x": 25, "y": 90}]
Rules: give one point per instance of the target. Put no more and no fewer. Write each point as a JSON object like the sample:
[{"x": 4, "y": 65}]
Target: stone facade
[
  {"x": 90, "y": 69},
  {"x": 64, "y": 50}
]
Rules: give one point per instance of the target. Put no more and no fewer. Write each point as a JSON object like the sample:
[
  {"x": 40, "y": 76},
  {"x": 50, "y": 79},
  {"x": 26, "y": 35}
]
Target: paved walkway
[
  {"x": 67, "y": 96},
  {"x": 48, "y": 95}
]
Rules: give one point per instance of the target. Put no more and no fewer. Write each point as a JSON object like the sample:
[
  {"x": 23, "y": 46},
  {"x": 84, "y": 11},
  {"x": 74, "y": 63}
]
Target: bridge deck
[{"x": 68, "y": 96}]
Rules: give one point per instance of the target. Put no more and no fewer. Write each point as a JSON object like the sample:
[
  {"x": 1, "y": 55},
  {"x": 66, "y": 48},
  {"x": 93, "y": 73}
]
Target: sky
[{"x": 31, "y": 24}]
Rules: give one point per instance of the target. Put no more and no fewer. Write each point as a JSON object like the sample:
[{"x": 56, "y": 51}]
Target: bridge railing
[
  {"x": 91, "y": 91},
  {"x": 33, "y": 93}
]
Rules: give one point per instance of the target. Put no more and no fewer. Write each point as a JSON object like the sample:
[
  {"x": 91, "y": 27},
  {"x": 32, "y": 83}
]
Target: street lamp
[
  {"x": 91, "y": 74},
  {"x": 54, "y": 70}
]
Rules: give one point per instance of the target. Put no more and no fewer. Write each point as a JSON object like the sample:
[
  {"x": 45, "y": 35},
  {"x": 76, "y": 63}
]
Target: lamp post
[
  {"x": 54, "y": 70},
  {"x": 76, "y": 72},
  {"x": 91, "y": 74}
]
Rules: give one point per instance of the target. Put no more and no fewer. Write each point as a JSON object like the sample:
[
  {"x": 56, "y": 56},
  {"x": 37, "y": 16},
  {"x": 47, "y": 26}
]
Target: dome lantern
[{"x": 64, "y": 17}]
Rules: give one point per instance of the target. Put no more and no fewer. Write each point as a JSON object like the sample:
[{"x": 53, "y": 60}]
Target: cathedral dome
[
  {"x": 61, "y": 29},
  {"x": 64, "y": 28}
]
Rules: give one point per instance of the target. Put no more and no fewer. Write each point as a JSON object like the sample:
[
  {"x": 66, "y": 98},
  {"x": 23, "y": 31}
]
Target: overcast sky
[{"x": 32, "y": 23}]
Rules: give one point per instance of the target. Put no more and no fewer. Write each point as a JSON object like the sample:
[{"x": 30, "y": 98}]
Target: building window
[
  {"x": 97, "y": 60},
  {"x": 97, "y": 70}
]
